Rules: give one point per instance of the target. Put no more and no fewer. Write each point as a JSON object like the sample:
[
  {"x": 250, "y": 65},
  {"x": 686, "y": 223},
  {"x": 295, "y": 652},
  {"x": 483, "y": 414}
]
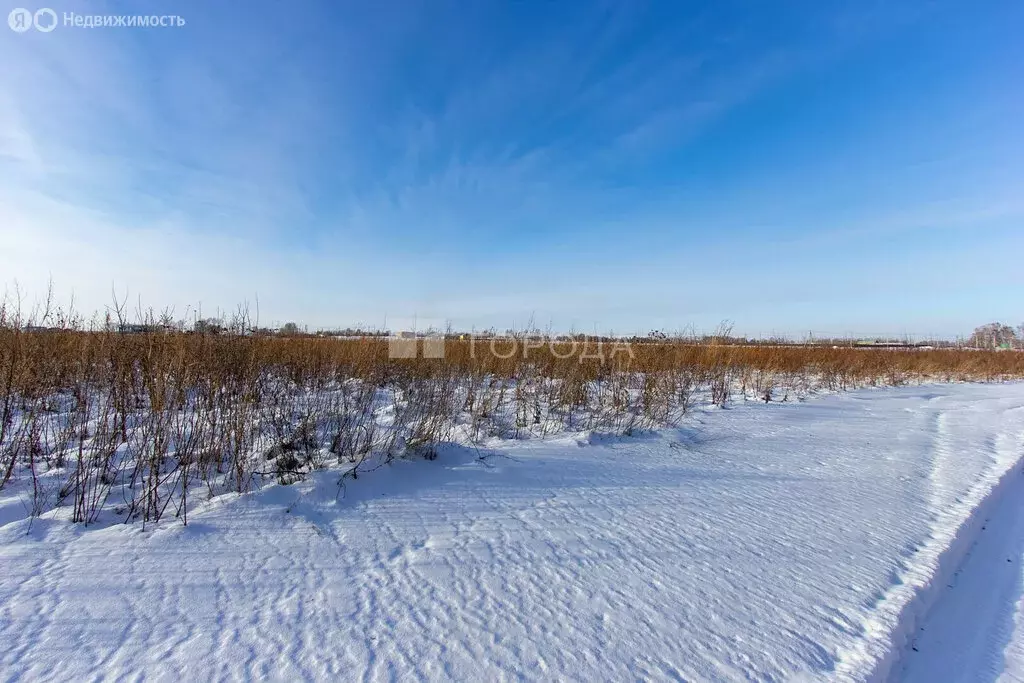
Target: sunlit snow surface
[{"x": 760, "y": 542}]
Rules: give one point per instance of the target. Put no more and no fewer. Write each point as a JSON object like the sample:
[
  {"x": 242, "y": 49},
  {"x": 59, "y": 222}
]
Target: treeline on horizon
[
  {"x": 161, "y": 416},
  {"x": 48, "y": 316}
]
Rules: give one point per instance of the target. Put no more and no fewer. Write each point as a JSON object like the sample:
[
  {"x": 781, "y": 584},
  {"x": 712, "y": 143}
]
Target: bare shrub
[{"x": 140, "y": 417}]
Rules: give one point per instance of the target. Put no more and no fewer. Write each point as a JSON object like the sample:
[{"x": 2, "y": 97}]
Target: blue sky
[{"x": 841, "y": 168}]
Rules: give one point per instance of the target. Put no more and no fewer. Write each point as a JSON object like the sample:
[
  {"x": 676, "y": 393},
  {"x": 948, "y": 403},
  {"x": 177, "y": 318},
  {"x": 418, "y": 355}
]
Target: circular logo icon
[
  {"x": 46, "y": 20},
  {"x": 20, "y": 19}
]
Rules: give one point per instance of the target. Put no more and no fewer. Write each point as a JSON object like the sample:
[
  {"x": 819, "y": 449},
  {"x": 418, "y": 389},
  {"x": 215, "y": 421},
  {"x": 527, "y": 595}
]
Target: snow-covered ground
[{"x": 852, "y": 537}]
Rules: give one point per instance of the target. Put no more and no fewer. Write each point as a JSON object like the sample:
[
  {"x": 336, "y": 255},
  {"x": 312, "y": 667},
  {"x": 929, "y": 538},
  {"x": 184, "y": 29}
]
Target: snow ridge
[{"x": 906, "y": 606}]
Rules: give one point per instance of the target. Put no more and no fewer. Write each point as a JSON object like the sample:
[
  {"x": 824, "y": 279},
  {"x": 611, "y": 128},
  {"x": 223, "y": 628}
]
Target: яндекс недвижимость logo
[
  {"x": 21, "y": 19},
  {"x": 45, "y": 20}
]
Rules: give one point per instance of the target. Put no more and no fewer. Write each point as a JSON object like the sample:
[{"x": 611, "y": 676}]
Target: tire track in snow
[
  {"x": 959, "y": 517},
  {"x": 969, "y": 633}
]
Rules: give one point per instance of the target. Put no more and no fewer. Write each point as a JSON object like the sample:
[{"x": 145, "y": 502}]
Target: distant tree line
[{"x": 997, "y": 336}]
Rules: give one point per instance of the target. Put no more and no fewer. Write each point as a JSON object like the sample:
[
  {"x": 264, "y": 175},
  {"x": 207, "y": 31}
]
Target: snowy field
[{"x": 868, "y": 536}]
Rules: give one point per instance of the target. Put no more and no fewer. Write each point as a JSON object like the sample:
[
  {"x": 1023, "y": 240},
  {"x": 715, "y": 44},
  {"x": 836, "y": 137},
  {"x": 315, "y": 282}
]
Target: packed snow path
[
  {"x": 762, "y": 542},
  {"x": 975, "y": 630}
]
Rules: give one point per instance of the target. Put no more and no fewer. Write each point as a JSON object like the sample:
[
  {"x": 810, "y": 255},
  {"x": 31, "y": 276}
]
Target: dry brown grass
[{"x": 159, "y": 416}]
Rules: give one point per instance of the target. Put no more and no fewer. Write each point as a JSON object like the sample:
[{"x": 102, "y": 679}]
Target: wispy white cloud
[{"x": 387, "y": 161}]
